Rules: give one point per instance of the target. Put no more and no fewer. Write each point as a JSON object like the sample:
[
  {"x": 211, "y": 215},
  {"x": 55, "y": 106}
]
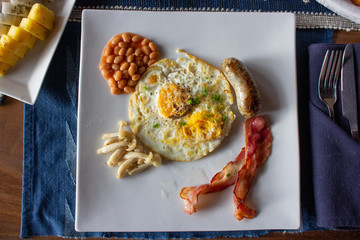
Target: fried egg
[{"x": 181, "y": 109}]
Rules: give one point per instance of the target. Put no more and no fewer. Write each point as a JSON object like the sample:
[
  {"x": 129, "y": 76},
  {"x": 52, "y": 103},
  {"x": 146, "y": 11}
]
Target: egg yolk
[
  {"x": 203, "y": 126},
  {"x": 173, "y": 101}
]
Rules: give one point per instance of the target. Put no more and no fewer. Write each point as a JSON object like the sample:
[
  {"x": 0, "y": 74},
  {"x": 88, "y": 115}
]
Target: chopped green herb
[
  {"x": 183, "y": 123},
  {"x": 208, "y": 107},
  {"x": 215, "y": 120},
  {"x": 224, "y": 118},
  {"x": 217, "y": 98},
  {"x": 204, "y": 91},
  {"x": 194, "y": 101},
  {"x": 208, "y": 115},
  {"x": 150, "y": 93},
  {"x": 145, "y": 88},
  {"x": 220, "y": 108},
  {"x": 155, "y": 125},
  {"x": 207, "y": 77},
  {"x": 228, "y": 175}
]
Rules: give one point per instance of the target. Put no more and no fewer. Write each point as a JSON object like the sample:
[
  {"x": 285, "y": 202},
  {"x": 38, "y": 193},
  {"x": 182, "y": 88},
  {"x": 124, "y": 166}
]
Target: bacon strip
[
  {"x": 223, "y": 179},
  {"x": 258, "y": 141},
  {"x": 241, "y": 171}
]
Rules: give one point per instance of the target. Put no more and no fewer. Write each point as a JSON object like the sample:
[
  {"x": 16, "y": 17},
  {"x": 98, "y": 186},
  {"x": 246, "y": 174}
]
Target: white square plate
[
  {"x": 150, "y": 201},
  {"x": 23, "y": 81}
]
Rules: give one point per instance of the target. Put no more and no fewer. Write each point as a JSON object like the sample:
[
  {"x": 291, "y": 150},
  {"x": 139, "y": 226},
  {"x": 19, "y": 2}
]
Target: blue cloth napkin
[
  {"x": 49, "y": 173},
  {"x": 336, "y": 156}
]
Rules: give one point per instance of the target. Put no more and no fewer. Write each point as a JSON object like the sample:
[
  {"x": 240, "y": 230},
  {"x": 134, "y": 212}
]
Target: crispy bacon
[
  {"x": 241, "y": 171},
  {"x": 223, "y": 179},
  {"x": 258, "y": 141}
]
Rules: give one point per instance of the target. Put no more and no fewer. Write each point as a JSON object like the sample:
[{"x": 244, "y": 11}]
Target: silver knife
[{"x": 348, "y": 91}]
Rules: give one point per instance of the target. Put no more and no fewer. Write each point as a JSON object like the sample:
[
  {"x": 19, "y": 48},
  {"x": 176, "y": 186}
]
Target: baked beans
[{"x": 125, "y": 57}]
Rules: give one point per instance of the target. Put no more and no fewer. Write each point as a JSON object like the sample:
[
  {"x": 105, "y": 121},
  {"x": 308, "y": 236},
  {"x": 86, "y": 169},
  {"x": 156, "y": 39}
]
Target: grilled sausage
[{"x": 247, "y": 94}]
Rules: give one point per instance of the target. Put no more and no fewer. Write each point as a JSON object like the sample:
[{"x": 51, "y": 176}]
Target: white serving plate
[
  {"x": 150, "y": 201},
  {"x": 23, "y": 81}
]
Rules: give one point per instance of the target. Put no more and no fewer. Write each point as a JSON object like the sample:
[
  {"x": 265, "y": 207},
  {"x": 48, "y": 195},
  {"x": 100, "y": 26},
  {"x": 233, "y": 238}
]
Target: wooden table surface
[{"x": 11, "y": 153}]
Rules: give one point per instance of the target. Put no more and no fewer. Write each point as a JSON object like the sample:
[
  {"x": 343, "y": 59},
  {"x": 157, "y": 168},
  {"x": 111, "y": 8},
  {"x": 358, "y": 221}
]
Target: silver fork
[{"x": 328, "y": 79}]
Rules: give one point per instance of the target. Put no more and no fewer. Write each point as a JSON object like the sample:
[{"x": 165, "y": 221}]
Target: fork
[{"x": 328, "y": 79}]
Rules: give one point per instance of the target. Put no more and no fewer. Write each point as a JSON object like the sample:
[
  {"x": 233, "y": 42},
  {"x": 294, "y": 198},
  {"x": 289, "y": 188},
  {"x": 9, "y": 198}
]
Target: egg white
[{"x": 197, "y": 131}]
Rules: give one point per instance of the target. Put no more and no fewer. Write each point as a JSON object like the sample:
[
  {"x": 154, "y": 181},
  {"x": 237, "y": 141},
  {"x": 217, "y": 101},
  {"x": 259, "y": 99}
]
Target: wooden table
[{"x": 11, "y": 153}]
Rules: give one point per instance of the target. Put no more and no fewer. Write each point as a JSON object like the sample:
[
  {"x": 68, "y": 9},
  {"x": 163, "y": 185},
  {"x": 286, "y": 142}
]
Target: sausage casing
[{"x": 244, "y": 85}]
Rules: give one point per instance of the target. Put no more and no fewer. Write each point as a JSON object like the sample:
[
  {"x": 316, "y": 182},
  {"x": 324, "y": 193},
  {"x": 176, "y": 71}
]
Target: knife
[{"x": 348, "y": 91}]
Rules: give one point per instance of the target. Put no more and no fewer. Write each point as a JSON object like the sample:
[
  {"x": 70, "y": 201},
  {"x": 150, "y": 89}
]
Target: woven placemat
[{"x": 304, "y": 19}]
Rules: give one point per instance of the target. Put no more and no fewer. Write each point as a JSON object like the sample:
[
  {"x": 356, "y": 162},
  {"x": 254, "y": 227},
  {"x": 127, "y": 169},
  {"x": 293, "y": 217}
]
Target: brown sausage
[{"x": 247, "y": 94}]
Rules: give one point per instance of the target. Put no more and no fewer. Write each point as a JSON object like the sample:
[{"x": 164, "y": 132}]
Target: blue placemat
[
  {"x": 50, "y": 134},
  {"x": 236, "y": 5}
]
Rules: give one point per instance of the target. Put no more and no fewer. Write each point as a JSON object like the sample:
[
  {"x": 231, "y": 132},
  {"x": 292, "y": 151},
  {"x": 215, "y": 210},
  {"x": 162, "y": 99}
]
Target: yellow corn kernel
[
  {"x": 4, "y": 67},
  {"x": 22, "y": 36},
  {"x": 42, "y": 15},
  {"x": 33, "y": 28},
  {"x": 13, "y": 46},
  {"x": 8, "y": 57}
]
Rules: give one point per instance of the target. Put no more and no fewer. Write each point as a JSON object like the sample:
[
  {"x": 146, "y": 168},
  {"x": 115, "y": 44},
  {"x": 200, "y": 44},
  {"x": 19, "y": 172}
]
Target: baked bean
[
  {"x": 134, "y": 66},
  {"x": 126, "y": 37},
  {"x": 123, "y": 44},
  {"x": 107, "y": 51},
  {"x": 125, "y": 74},
  {"x": 118, "y": 75},
  {"x": 136, "y": 38},
  {"x": 124, "y": 66},
  {"x": 112, "y": 83},
  {"x": 130, "y": 58},
  {"x": 131, "y": 83},
  {"x": 122, "y": 83},
  {"x": 134, "y": 45},
  {"x": 152, "y": 46},
  {"x": 146, "y": 50},
  {"x": 116, "y": 50},
  {"x": 116, "y": 40},
  {"x": 139, "y": 62},
  {"x": 146, "y": 59},
  {"x": 138, "y": 52},
  {"x": 104, "y": 66},
  {"x": 141, "y": 70},
  {"x": 118, "y": 59},
  {"x": 110, "y": 59},
  {"x": 135, "y": 77},
  {"x": 115, "y": 90},
  {"x": 129, "y": 89},
  {"x": 151, "y": 62},
  {"x": 154, "y": 55},
  {"x": 115, "y": 67},
  {"x": 129, "y": 51},
  {"x": 122, "y": 51},
  {"x": 132, "y": 69},
  {"x": 107, "y": 73},
  {"x": 125, "y": 57},
  {"x": 145, "y": 41}
]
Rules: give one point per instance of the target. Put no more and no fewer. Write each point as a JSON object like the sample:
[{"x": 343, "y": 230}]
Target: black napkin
[{"x": 335, "y": 155}]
